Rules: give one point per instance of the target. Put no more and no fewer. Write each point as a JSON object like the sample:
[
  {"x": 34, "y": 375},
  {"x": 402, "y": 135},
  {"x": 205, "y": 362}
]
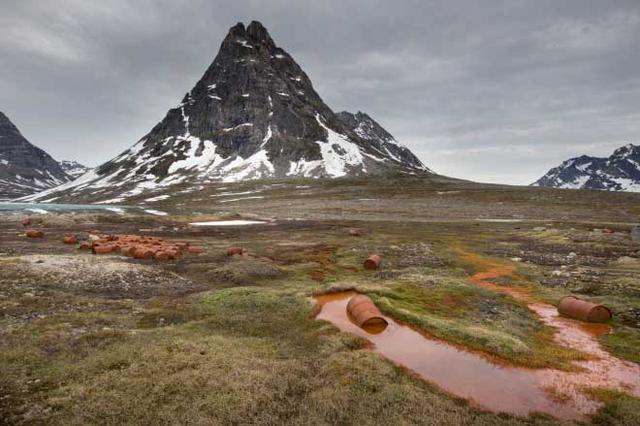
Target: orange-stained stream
[{"x": 493, "y": 386}]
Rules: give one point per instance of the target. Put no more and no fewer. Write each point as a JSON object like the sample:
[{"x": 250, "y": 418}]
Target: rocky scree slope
[
  {"x": 24, "y": 168},
  {"x": 253, "y": 114},
  {"x": 73, "y": 168},
  {"x": 619, "y": 172}
]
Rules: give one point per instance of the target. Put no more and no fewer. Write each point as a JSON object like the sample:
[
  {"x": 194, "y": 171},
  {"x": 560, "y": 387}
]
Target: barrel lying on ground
[
  {"x": 70, "y": 239},
  {"x": 373, "y": 262},
  {"x": 34, "y": 233},
  {"x": 365, "y": 313},
  {"x": 571, "y": 306},
  {"x": 231, "y": 251}
]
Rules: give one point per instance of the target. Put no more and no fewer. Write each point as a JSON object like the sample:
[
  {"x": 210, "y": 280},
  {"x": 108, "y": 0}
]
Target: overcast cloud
[{"x": 496, "y": 91}]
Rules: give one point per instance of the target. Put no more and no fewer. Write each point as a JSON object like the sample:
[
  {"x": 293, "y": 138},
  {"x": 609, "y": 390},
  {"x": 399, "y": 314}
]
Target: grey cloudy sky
[{"x": 495, "y": 91}]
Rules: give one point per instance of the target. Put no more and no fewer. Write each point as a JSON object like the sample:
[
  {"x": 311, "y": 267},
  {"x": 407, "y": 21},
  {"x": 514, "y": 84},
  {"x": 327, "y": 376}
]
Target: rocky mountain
[
  {"x": 73, "y": 168},
  {"x": 382, "y": 141},
  {"x": 253, "y": 114},
  {"x": 24, "y": 168},
  {"x": 619, "y": 172}
]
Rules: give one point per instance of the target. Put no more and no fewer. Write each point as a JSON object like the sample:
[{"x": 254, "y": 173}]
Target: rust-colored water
[{"x": 496, "y": 387}]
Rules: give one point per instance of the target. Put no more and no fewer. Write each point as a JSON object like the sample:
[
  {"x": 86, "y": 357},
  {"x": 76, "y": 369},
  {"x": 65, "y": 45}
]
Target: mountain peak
[
  {"x": 7, "y": 126},
  {"x": 24, "y": 168},
  {"x": 256, "y": 31},
  {"x": 253, "y": 114},
  {"x": 255, "y": 35}
]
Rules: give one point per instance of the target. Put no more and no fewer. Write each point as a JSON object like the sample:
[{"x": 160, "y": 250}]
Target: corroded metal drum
[
  {"x": 364, "y": 312},
  {"x": 573, "y": 307},
  {"x": 373, "y": 262}
]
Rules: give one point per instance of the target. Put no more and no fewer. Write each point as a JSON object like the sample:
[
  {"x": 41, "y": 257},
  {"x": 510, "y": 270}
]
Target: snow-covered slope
[
  {"x": 73, "y": 168},
  {"x": 24, "y": 168},
  {"x": 619, "y": 172},
  {"x": 254, "y": 114}
]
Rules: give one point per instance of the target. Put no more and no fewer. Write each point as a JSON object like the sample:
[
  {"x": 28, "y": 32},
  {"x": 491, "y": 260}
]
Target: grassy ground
[{"x": 215, "y": 340}]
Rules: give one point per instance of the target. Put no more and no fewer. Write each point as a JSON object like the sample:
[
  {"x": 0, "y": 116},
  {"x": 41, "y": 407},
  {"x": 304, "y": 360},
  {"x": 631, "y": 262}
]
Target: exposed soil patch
[{"x": 107, "y": 277}]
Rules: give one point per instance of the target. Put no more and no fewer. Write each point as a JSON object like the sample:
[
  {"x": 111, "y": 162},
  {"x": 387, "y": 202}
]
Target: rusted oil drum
[
  {"x": 70, "y": 239},
  {"x": 235, "y": 250},
  {"x": 34, "y": 233},
  {"x": 364, "y": 312},
  {"x": 373, "y": 262},
  {"x": 573, "y": 307},
  {"x": 102, "y": 248}
]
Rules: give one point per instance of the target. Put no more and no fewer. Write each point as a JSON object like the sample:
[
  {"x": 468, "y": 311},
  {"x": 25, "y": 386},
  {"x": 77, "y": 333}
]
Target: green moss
[
  {"x": 623, "y": 342},
  {"x": 478, "y": 319},
  {"x": 619, "y": 408}
]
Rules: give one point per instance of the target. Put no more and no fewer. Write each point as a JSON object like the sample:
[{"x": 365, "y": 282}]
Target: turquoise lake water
[{"x": 60, "y": 208}]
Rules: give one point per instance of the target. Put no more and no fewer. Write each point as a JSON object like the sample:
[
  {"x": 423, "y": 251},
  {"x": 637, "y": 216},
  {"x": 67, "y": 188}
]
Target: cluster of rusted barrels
[{"x": 136, "y": 246}]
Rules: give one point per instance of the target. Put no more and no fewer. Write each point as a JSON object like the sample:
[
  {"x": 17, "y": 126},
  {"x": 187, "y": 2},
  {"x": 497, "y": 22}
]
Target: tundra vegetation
[{"x": 217, "y": 339}]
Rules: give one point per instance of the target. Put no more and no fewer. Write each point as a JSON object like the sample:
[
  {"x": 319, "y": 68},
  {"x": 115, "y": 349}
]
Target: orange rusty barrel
[
  {"x": 364, "y": 312},
  {"x": 162, "y": 255},
  {"x": 102, "y": 248},
  {"x": 195, "y": 249},
  {"x": 70, "y": 239},
  {"x": 142, "y": 252},
  {"x": 234, "y": 250},
  {"x": 85, "y": 245},
  {"x": 34, "y": 233},
  {"x": 373, "y": 262},
  {"x": 173, "y": 254},
  {"x": 573, "y": 307}
]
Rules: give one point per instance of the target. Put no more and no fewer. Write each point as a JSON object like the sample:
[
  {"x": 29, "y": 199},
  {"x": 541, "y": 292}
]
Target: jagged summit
[
  {"x": 24, "y": 168},
  {"x": 253, "y": 114},
  {"x": 618, "y": 172}
]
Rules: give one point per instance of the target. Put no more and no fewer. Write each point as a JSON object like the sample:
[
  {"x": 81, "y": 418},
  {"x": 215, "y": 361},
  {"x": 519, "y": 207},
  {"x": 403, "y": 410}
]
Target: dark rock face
[
  {"x": 619, "y": 172},
  {"x": 379, "y": 139},
  {"x": 24, "y": 168},
  {"x": 253, "y": 114},
  {"x": 73, "y": 168}
]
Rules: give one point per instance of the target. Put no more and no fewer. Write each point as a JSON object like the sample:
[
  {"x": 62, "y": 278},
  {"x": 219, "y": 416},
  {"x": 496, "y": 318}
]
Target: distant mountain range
[
  {"x": 619, "y": 172},
  {"x": 24, "y": 169},
  {"x": 253, "y": 114}
]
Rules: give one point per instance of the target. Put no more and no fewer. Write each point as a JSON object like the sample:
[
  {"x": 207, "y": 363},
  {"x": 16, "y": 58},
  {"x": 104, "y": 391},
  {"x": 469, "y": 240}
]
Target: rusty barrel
[
  {"x": 70, "y": 239},
  {"x": 235, "y": 250},
  {"x": 571, "y": 306},
  {"x": 34, "y": 233},
  {"x": 373, "y": 262},
  {"x": 364, "y": 312}
]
